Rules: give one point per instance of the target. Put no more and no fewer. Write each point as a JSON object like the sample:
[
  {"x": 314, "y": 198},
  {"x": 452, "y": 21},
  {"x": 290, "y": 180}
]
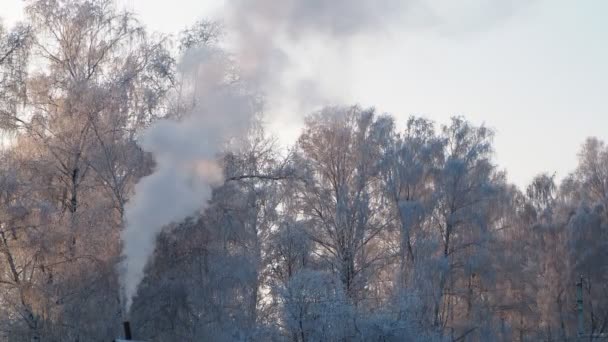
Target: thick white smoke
[{"x": 185, "y": 151}]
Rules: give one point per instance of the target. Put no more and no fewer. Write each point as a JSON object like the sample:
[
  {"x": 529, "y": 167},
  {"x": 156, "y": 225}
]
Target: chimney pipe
[{"x": 127, "y": 327}]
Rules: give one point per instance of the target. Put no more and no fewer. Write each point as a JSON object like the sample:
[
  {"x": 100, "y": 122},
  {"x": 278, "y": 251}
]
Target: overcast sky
[{"x": 536, "y": 71}]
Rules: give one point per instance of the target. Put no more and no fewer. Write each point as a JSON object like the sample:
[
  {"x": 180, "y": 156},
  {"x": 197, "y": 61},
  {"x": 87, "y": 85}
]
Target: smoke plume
[
  {"x": 185, "y": 150},
  {"x": 185, "y": 153}
]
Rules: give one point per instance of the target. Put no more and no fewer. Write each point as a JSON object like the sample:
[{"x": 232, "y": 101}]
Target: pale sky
[{"x": 536, "y": 73}]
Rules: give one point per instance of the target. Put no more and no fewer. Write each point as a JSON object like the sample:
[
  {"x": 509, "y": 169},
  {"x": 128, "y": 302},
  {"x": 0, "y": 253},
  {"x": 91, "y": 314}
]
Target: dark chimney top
[{"x": 127, "y": 327}]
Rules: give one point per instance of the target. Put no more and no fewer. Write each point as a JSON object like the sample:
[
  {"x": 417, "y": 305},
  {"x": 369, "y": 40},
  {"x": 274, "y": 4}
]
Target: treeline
[{"x": 360, "y": 232}]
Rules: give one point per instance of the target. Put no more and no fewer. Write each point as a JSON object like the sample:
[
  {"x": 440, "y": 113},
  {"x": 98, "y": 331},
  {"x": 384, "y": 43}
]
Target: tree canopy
[{"x": 360, "y": 232}]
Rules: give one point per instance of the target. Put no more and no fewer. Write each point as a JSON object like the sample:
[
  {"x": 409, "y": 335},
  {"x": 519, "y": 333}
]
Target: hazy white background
[{"x": 536, "y": 71}]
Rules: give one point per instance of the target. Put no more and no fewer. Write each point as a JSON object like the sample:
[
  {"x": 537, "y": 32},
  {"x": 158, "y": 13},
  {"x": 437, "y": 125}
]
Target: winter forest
[{"x": 138, "y": 181}]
